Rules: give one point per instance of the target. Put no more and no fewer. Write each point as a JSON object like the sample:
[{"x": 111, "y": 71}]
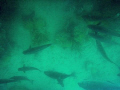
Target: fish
[
  {"x": 58, "y": 76},
  {"x": 103, "y": 39},
  {"x": 21, "y": 78},
  {"x": 5, "y": 81},
  {"x": 103, "y": 53},
  {"x": 35, "y": 50},
  {"x": 98, "y": 28},
  {"x": 27, "y": 68},
  {"x": 98, "y": 85}
]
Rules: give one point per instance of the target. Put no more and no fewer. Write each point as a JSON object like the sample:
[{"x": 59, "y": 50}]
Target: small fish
[
  {"x": 27, "y": 68},
  {"x": 97, "y": 85},
  {"x": 98, "y": 28},
  {"x": 21, "y": 78},
  {"x": 58, "y": 76},
  {"x": 5, "y": 81},
  {"x": 35, "y": 49},
  {"x": 103, "y": 53}
]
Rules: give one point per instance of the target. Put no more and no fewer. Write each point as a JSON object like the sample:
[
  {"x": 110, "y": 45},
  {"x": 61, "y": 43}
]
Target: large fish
[
  {"x": 103, "y": 53},
  {"x": 21, "y": 78},
  {"x": 97, "y": 85},
  {"x": 35, "y": 49},
  {"x": 27, "y": 68},
  {"x": 58, "y": 76},
  {"x": 97, "y": 28},
  {"x": 5, "y": 81}
]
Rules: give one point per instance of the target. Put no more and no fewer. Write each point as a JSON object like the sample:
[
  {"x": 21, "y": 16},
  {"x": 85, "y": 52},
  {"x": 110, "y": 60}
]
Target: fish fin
[{"x": 60, "y": 81}]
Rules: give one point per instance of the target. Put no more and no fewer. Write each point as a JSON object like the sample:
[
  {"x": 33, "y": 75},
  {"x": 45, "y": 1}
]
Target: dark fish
[
  {"x": 58, "y": 76},
  {"x": 26, "y": 68},
  {"x": 103, "y": 53},
  {"x": 21, "y": 78},
  {"x": 35, "y": 49},
  {"x": 5, "y": 81},
  {"x": 96, "y": 85},
  {"x": 97, "y": 28},
  {"x": 103, "y": 39}
]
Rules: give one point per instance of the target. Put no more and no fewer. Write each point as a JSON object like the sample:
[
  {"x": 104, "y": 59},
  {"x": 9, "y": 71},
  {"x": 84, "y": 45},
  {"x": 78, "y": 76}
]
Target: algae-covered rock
[
  {"x": 39, "y": 38},
  {"x": 62, "y": 40},
  {"x": 37, "y": 28},
  {"x": 6, "y": 43},
  {"x": 80, "y": 34},
  {"x": 73, "y": 36}
]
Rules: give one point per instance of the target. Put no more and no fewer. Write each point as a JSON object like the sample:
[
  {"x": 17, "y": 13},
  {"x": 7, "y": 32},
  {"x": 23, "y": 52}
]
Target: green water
[{"x": 50, "y": 43}]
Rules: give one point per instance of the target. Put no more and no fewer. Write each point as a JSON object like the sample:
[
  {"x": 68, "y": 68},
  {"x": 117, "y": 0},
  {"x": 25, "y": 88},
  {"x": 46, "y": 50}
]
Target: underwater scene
[{"x": 59, "y": 44}]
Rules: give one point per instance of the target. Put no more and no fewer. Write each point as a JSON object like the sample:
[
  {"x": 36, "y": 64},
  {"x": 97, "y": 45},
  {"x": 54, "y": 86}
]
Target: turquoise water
[{"x": 56, "y": 44}]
